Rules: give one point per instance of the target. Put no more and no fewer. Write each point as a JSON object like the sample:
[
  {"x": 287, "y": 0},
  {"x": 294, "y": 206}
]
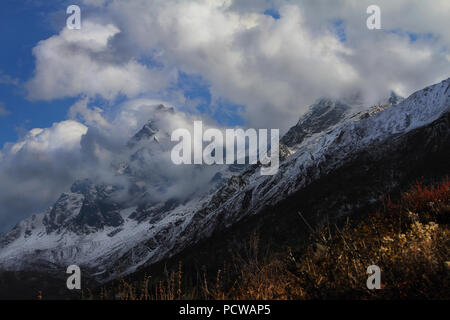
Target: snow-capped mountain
[
  {"x": 93, "y": 228},
  {"x": 327, "y": 113}
]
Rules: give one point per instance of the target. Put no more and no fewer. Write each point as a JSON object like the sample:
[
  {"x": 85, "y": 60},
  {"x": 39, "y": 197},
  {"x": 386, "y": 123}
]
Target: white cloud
[
  {"x": 82, "y": 61},
  {"x": 277, "y": 67},
  {"x": 36, "y": 169},
  {"x": 62, "y": 136},
  {"x": 273, "y": 67},
  {"x": 91, "y": 116}
]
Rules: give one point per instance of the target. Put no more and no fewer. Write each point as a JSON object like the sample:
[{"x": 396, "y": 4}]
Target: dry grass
[{"x": 408, "y": 239}]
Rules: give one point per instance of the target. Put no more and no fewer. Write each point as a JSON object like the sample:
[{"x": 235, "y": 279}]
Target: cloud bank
[{"x": 273, "y": 67}]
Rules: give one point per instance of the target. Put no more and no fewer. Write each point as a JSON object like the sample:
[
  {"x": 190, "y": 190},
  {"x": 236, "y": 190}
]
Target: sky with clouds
[{"x": 68, "y": 98}]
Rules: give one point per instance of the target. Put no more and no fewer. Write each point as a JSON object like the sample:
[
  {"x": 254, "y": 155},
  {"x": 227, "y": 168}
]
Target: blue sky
[{"x": 23, "y": 25}]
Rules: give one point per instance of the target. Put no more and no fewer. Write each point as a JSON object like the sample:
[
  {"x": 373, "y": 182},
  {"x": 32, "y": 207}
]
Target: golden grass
[{"x": 408, "y": 239}]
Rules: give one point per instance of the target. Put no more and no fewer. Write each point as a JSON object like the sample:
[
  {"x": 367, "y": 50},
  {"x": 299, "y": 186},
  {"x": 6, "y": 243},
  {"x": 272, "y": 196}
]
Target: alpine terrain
[{"x": 341, "y": 156}]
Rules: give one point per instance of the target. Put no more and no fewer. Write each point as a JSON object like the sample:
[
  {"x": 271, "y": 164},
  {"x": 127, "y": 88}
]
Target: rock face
[
  {"x": 322, "y": 115},
  {"x": 361, "y": 154}
]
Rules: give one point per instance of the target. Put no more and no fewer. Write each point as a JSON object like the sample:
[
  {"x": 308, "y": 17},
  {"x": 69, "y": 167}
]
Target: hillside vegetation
[{"x": 409, "y": 239}]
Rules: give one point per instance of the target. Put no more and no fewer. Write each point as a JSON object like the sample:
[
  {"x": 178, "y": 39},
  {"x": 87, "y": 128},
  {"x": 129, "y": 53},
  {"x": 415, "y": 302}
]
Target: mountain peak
[
  {"x": 395, "y": 99},
  {"x": 322, "y": 115},
  {"x": 150, "y": 128},
  {"x": 147, "y": 131},
  {"x": 327, "y": 112}
]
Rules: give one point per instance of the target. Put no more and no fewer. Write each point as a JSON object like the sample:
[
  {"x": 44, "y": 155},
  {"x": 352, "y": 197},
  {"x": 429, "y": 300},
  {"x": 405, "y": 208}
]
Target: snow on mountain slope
[
  {"x": 249, "y": 193},
  {"x": 89, "y": 228},
  {"x": 327, "y": 113}
]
